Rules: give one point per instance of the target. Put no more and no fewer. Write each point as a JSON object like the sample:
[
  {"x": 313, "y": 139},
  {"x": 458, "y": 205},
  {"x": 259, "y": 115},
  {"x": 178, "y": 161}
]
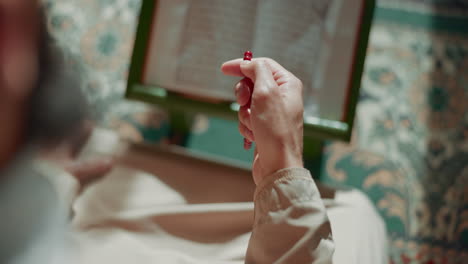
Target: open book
[{"x": 315, "y": 40}]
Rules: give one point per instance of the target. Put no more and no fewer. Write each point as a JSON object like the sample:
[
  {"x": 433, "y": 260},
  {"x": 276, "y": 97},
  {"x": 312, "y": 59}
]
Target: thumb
[{"x": 257, "y": 69}]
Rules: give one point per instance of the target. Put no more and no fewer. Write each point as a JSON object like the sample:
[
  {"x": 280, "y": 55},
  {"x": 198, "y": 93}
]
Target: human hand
[
  {"x": 65, "y": 155},
  {"x": 274, "y": 120}
]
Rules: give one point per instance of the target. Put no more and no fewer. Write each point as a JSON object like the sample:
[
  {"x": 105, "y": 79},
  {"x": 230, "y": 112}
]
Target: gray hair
[{"x": 57, "y": 104}]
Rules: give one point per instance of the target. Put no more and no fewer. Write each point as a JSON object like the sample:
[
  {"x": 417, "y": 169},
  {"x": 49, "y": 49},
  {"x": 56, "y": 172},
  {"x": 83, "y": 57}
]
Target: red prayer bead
[{"x": 248, "y": 55}]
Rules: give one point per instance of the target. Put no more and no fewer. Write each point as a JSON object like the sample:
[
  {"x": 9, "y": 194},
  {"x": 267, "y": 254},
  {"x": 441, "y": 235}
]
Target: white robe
[{"x": 194, "y": 215}]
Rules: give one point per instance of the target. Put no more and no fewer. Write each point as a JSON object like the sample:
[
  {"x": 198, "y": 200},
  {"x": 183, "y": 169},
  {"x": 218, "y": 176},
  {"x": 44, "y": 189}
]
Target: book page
[
  {"x": 315, "y": 40},
  {"x": 290, "y": 32},
  {"x": 190, "y": 41},
  {"x": 339, "y": 46}
]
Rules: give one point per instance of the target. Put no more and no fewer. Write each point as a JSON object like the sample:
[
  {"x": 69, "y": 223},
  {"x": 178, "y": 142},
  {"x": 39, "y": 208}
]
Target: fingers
[
  {"x": 264, "y": 82},
  {"x": 70, "y": 147},
  {"x": 233, "y": 67},
  {"x": 81, "y": 137},
  {"x": 247, "y": 133},
  {"x": 242, "y": 91},
  {"x": 245, "y": 124},
  {"x": 258, "y": 70},
  {"x": 244, "y": 117},
  {"x": 85, "y": 171}
]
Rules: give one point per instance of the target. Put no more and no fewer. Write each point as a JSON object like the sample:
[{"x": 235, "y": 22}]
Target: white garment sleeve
[{"x": 291, "y": 224}]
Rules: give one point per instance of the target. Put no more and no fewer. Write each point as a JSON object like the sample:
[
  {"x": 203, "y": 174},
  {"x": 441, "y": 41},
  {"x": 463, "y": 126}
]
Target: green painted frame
[{"x": 322, "y": 129}]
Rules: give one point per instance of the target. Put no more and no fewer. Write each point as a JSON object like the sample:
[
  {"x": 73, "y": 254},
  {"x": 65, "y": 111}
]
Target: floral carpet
[{"x": 409, "y": 150}]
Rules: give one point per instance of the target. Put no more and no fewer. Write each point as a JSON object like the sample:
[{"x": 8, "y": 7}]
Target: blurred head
[
  {"x": 40, "y": 99},
  {"x": 19, "y": 35}
]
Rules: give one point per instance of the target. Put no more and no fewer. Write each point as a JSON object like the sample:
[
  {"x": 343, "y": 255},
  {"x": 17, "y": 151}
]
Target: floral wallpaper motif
[
  {"x": 100, "y": 35},
  {"x": 410, "y": 147},
  {"x": 413, "y": 112}
]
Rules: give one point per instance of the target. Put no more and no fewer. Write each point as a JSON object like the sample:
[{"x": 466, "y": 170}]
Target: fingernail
[
  {"x": 241, "y": 86},
  {"x": 244, "y": 93},
  {"x": 237, "y": 88}
]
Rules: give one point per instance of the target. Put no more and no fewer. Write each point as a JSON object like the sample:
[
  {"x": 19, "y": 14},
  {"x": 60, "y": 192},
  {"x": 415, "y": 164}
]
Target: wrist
[
  {"x": 266, "y": 176},
  {"x": 290, "y": 157},
  {"x": 286, "y": 161}
]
